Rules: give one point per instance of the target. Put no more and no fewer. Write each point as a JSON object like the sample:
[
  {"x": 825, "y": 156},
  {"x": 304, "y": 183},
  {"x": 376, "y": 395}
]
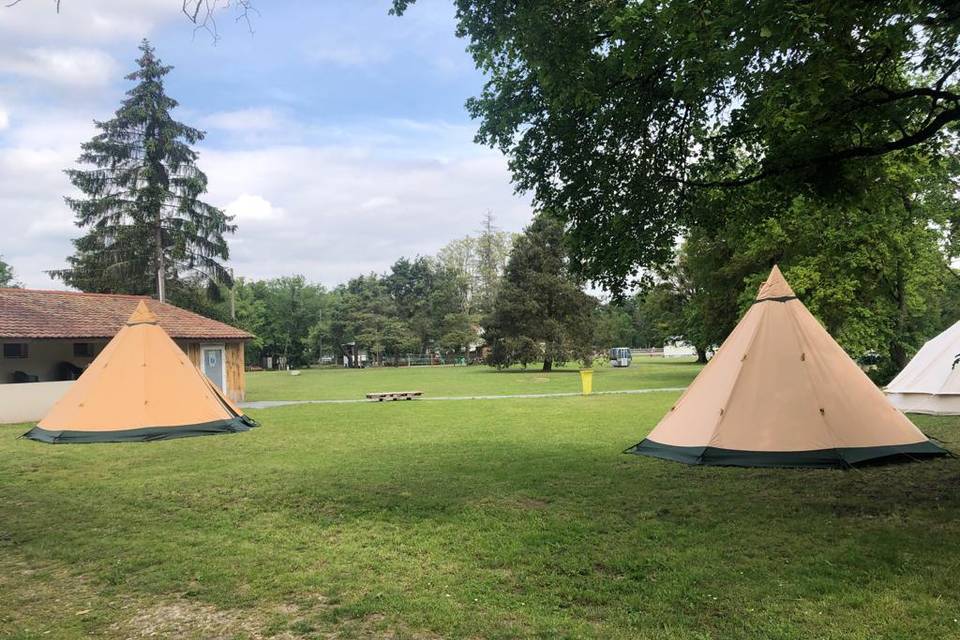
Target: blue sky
[{"x": 337, "y": 133}]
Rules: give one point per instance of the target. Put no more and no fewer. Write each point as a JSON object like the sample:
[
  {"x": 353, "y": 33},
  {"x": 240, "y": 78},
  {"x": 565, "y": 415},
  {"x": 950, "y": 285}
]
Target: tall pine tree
[{"x": 146, "y": 227}]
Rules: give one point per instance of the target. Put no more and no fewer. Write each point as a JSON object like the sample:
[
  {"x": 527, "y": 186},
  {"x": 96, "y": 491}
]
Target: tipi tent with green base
[
  {"x": 780, "y": 392},
  {"x": 141, "y": 387}
]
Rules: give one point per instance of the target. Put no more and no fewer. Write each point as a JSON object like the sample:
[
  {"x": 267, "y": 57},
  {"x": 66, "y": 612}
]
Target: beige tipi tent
[
  {"x": 141, "y": 387},
  {"x": 930, "y": 383},
  {"x": 780, "y": 392}
]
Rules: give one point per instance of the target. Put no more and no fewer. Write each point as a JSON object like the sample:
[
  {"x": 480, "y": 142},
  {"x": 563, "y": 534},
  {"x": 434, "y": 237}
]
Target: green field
[
  {"x": 482, "y": 519},
  {"x": 340, "y": 384}
]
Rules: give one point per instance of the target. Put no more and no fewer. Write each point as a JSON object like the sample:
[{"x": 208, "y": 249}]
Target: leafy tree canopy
[
  {"x": 874, "y": 269},
  {"x": 615, "y": 113}
]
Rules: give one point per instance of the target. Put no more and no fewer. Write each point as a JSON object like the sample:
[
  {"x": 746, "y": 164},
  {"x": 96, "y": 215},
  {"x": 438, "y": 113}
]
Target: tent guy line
[{"x": 270, "y": 404}]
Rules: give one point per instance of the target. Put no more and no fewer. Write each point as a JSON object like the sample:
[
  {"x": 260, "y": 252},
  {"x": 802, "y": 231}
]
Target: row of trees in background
[
  {"x": 423, "y": 305},
  {"x": 517, "y": 296}
]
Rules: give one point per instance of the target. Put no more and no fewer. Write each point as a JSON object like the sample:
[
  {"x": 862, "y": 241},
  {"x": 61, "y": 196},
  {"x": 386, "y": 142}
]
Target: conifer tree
[{"x": 146, "y": 227}]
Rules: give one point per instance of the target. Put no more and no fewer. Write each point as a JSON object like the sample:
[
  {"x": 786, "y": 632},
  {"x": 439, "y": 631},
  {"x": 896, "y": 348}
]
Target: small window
[
  {"x": 15, "y": 350},
  {"x": 83, "y": 349}
]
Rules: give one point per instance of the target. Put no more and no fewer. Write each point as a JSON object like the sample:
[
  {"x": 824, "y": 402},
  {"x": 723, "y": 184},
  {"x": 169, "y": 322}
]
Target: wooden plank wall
[
  {"x": 236, "y": 380},
  {"x": 193, "y": 352},
  {"x": 233, "y": 354}
]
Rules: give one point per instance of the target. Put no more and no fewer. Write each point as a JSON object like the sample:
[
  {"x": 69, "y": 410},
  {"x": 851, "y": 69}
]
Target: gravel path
[{"x": 269, "y": 404}]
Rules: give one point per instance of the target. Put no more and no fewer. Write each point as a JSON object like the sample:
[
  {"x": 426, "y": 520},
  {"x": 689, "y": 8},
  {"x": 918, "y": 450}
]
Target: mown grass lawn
[
  {"x": 482, "y": 519},
  {"x": 345, "y": 384}
]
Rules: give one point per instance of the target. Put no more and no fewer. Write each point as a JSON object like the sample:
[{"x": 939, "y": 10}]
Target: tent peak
[
  {"x": 775, "y": 286},
  {"x": 142, "y": 315}
]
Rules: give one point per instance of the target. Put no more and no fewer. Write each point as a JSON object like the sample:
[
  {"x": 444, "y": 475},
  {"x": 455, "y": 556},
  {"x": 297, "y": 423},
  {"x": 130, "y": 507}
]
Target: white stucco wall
[{"x": 30, "y": 401}]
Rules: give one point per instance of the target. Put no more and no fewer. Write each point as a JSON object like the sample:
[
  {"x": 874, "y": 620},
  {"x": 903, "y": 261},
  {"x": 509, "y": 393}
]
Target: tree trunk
[
  {"x": 548, "y": 364},
  {"x": 701, "y": 355},
  {"x": 898, "y": 352}
]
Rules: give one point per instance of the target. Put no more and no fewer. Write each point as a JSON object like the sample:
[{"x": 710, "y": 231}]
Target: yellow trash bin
[{"x": 586, "y": 381}]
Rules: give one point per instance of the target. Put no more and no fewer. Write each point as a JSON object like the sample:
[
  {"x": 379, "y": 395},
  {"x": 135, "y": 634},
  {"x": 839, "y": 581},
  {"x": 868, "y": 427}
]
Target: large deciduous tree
[
  {"x": 615, "y": 113},
  {"x": 875, "y": 268},
  {"x": 140, "y": 207},
  {"x": 541, "y": 311},
  {"x": 478, "y": 262}
]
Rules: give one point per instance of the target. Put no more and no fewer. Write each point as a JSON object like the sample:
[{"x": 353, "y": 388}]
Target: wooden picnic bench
[{"x": 394, "y": 395}]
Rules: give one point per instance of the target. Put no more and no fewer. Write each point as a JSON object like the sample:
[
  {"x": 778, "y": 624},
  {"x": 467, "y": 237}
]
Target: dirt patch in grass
[
  {"x": 67, "y": 605},
  {"x": 515, "y": 503},
  {"x": 530, "y": 504},
  {"x": 185, "y": 619}
]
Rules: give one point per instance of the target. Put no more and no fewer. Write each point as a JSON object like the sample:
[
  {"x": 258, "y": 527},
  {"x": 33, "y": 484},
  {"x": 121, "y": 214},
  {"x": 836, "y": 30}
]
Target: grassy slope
[
  {"x": 339, "y": 384},
  {"x": 483, "y": 519}
]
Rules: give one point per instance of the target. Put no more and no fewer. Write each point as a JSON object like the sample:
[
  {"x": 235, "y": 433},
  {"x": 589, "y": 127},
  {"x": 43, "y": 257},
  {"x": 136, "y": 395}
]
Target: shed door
[{"x": 213, "y": 365}]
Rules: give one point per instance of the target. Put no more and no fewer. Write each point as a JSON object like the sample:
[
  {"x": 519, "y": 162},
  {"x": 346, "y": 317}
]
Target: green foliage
[
  {"x": 616, "y": 114},
  {"x": 141, "y": 206},
  {"x": 416, "y": 308},
  {"x": 478, "y": 264},
  {"x": 7, "y": 277},
  {"x": 873, "y": 268},
  {"x": 614, "y": 326},
  {"x": 424, "y": 292},
  {"x": 290, "y": 307},
  {"x": 541, "y": 312},
  {"x": 691, "y": 299},
  {"x": 457, "y": 333}
]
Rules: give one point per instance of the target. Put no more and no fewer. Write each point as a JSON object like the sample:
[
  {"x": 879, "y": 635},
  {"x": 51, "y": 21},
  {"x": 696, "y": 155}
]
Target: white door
[{"x": 214, "y": 366}]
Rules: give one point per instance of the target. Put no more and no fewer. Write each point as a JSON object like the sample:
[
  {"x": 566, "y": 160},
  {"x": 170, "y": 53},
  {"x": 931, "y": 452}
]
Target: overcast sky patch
[{"x": 337, "y": 135}]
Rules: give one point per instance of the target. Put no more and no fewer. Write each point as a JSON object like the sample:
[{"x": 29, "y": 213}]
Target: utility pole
[
  {"x": 161, "y": 267},
  {"x": 233, "y": 297}
]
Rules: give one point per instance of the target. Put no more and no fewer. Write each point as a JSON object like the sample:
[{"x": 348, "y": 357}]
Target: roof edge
[{"x": 70, "y": 292}]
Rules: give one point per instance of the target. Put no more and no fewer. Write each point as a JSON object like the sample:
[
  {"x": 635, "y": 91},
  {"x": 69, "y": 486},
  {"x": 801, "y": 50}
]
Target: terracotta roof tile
[{"x": 29, "y": 313}]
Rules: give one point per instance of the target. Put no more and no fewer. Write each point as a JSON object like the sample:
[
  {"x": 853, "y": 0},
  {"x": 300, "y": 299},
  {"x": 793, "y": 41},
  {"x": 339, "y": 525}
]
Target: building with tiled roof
[
  {"x": 31, "y": 313},
  {"x": 51, "y": 336}
]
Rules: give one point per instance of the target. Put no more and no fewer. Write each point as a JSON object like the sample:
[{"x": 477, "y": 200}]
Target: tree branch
[{"x": 926, "y": 132}]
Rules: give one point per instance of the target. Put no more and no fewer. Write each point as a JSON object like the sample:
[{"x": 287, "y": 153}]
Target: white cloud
[
  {"x": 328, "y": 209},
  {"x": 350, "y": 211},
  {"x": 75, "y": 67},
  {"x": 35, "y": 224},
  {"x": 314, "y": 191},
  {"x": 94, "y": 21},
  {"x": 252, "y": 119},
  {"x": 250, "y": 207},
  {"x": 379, "y": 202}
]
